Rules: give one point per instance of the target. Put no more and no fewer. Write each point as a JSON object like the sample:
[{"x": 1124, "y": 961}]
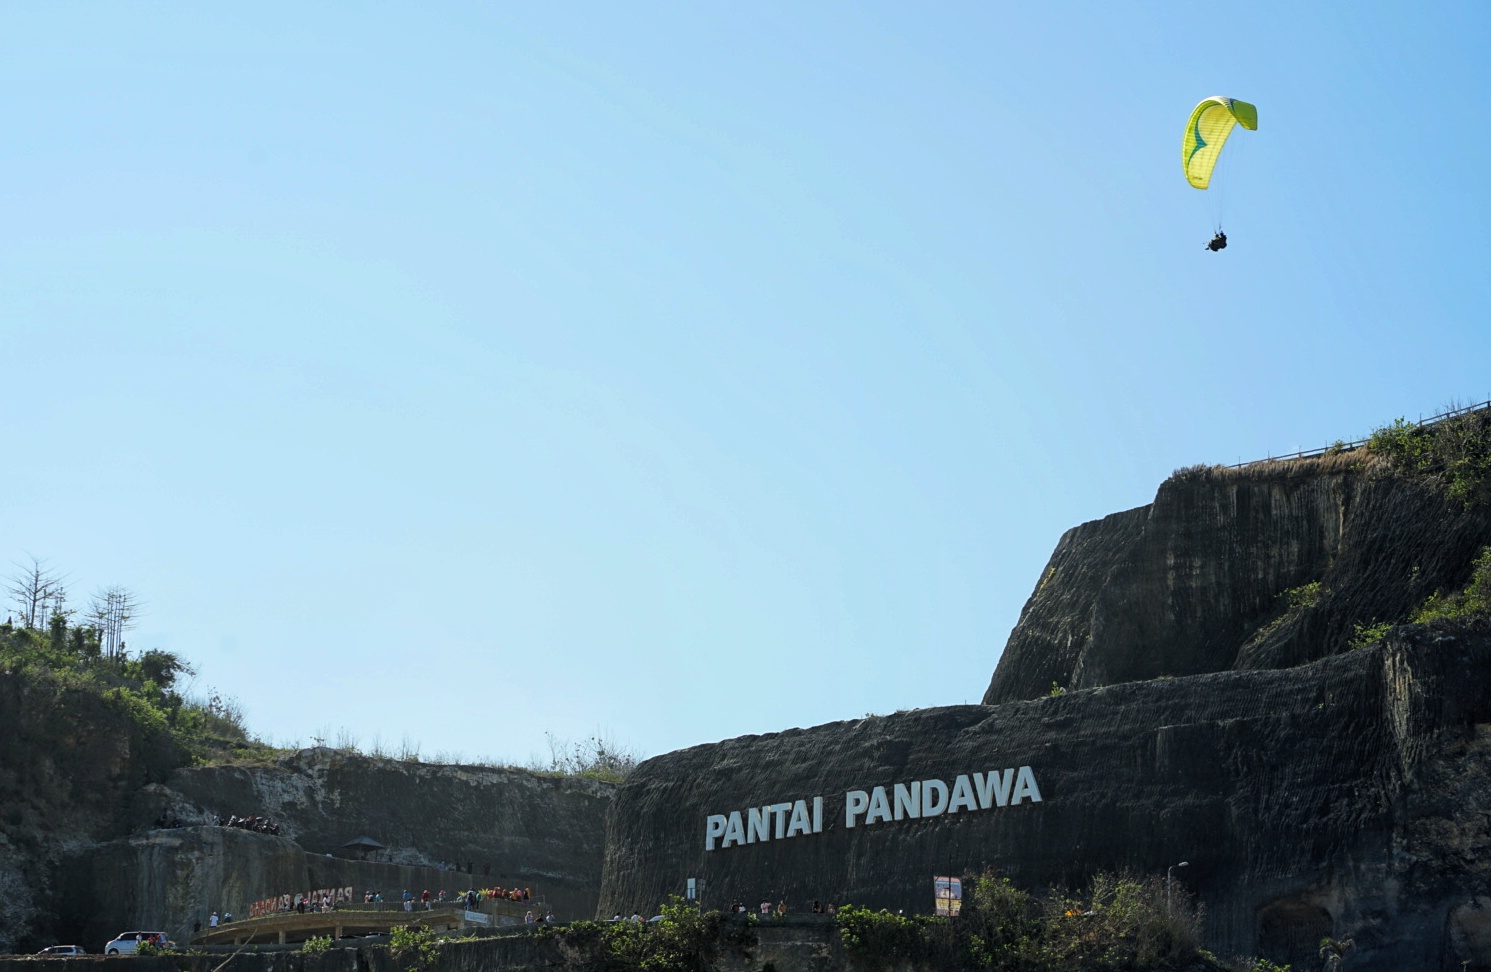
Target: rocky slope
[{"x": 1199, "y": 580}]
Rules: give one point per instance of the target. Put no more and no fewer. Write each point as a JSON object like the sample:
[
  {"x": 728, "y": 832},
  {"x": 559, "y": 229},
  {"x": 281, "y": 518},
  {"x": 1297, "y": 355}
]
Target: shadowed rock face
[
  {"x": 68, "y": 763},
  {"x": 1220, "y": 707},
  {"x": 1196, "y": 581},
  {"x": 76, "y": 777},
  {"x": 534, "y": 831},
  {"x": 1337, "y": 789},
  {"x": 172, "y": 880}
]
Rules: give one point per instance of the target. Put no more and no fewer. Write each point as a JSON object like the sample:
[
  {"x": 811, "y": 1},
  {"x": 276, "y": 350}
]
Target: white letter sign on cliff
[
  {"x": 771, "y": 821},
  {"x": 915, "y": 800}
]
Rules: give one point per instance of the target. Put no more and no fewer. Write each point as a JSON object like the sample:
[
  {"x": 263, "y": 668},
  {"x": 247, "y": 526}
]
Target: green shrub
[
  {"x": 416, "y": 949},
  {"x": 1458, "y": 450},
  {"x": 878, "y": 939},
  {"x": 1121, "y": 923},
  {"x": 1304, "y": 596},
  {"x": 1474, "y": 600},
  {"x": 684, "y": 940},
  {"x": 1363, "y": 635},
  {"x": 1002, "y": 922},
  {"x": 315, "y": 945},
  {"x": 1291, "y": 603}
]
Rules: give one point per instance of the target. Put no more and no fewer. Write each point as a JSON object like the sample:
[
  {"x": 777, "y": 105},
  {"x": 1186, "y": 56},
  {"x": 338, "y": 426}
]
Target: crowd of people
[
  {"x": 261, "y": 825},
  {"x": 766, "y": 908},
  {"x": 313, "y": 904},
  {"x": 472, "y": 898}
]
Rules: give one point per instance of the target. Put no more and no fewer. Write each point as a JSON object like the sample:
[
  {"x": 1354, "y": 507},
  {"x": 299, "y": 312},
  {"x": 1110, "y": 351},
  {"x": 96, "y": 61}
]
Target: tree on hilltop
[
  {"x": 113, "y": 611},
  {"x": 38, "y": 592}
]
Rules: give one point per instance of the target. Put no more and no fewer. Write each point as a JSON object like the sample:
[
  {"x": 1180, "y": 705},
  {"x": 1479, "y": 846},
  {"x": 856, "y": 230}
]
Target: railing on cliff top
[{"x": 1349, "y": 446}]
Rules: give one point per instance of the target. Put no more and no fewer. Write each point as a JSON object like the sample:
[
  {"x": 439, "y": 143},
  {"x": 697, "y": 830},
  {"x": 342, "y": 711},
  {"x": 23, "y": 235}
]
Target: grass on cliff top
[
  {"x": 1354, "y": 460},
  {"x": 1457, "y": 450}
]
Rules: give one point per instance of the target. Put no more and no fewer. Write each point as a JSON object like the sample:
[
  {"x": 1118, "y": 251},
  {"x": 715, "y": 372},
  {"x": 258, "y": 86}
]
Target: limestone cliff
[
  {"x": 1237, "y": 689},
  {"x": 1199, "y": 580},
  {"x": 514, "y": 827},
  {"x": 1329, "y": 799},
  {"x": 69, "y": 760},
  {"x": 80, "y": 784}
]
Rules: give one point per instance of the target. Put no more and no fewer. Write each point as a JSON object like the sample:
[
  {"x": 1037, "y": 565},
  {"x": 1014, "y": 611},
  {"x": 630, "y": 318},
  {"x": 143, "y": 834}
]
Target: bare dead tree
[
  {"x": 112, "y": 612},
  {"x": 33, "y": 589},
  {"x": 56, "y": 607}
]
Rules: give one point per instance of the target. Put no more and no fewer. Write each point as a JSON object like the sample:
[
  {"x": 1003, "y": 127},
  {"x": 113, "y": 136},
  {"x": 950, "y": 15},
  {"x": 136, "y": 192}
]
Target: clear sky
[{"x": 464, "y": 372}]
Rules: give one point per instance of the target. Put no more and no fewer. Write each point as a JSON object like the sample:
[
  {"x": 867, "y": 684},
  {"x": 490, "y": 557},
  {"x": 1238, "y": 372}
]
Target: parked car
[
  {"x": 64, "y": 950},
  {"x": 128, "y": 943}
]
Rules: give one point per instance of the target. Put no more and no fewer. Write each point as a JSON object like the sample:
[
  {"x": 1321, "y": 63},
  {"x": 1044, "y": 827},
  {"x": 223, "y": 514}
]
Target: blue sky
[{"x": 460, "y": 373}]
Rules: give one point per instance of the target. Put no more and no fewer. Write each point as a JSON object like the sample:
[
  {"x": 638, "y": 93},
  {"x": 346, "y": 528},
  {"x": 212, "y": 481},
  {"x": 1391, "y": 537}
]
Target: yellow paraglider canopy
[{"x": 1206, "y": 133}]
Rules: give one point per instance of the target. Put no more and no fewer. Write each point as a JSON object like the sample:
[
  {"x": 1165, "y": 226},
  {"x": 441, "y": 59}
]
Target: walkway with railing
[
  {"x": 366, "y": 919},
  {"x": 1338, "y": 447}
]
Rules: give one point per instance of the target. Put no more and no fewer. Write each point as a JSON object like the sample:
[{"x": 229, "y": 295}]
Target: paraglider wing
[{"x": 1206, "y": 133}]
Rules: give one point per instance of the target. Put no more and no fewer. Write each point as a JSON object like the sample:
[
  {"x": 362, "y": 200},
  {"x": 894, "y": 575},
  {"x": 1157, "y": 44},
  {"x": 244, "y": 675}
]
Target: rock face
[
  {"x": 68, "y": 763},
  {"x": 172, "y": 880},
  {"x": 1343, "y": 797},
  {"x": 1221, "y": 704},
  {"x": 80, "y": 785},
  {"x": 516, "y": 829},
  {"x": 1196, "y": 581}
]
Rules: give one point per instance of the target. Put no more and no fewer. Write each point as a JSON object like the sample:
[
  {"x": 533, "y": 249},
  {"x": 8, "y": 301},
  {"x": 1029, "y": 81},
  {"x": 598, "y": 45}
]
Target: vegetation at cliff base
[
  {"x": 416, "y": 949},
  {"x": 1457, "y": 449},
  {"x": 1116, "y": 923},
  {"x": 684, "y": 939}
]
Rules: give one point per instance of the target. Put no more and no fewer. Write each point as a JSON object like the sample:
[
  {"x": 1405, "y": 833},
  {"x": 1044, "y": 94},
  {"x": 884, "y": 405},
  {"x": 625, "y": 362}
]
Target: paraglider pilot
[{"x": 1218, "y": 242}]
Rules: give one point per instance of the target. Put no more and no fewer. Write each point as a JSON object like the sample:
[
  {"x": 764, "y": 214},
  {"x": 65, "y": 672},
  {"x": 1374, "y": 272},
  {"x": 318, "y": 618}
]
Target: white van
[{"x": 127, "y": 943}]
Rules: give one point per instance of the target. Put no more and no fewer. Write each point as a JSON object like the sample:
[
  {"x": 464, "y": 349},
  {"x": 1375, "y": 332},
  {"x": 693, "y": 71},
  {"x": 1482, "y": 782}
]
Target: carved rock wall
[
  {"x": 1323, "y": 785},
  {"x": 516, "y": 828}
]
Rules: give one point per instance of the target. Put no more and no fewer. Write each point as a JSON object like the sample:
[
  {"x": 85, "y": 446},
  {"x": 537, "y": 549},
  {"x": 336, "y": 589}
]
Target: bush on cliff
[
  {"x": 416, "y": 949},
  {"x": 142, "y": 689},
  {"x": 1458, "y": 450},
  {"x": 1473, "y": 601},
  {"x": 600, "y": 757}
]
